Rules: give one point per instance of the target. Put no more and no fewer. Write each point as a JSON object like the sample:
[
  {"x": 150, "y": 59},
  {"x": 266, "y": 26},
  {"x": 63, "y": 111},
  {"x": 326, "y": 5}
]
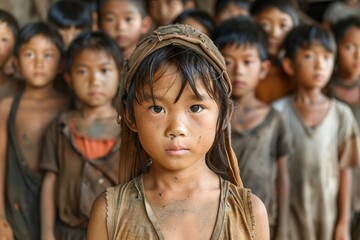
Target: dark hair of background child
[
  {"x": 6, "y": 17},
  {"x": 284, "y": 6},
  {"x": 31, "y": 30},
  {"x": 221, "y": 4},
  {"x": 64, "y": 14},
  {"x": 96, "y": 41},
  {"x": 302, "y": 36},
  {"x": 200, "y": 16},
  {"x": 341, "y": 27},
  {"x": 242, "y": 31}
]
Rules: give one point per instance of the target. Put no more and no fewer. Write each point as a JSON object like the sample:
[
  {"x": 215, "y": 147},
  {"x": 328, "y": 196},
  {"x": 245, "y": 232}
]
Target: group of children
[{"x": 258, "y": 95}]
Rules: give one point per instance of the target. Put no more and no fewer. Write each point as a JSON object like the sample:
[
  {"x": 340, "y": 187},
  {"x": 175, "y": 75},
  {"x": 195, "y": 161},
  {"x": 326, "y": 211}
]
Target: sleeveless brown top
[{"x": 130, "y": 216}]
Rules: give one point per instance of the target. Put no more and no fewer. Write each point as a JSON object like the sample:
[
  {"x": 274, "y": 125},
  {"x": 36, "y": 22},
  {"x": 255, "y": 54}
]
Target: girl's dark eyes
[
  {"x": 196, "y": 108},
  {"x": 156, "y": 109}
]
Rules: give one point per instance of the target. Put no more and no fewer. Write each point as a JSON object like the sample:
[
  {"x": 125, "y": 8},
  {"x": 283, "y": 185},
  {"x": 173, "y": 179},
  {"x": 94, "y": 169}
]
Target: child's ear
[
  {"x": 288, "y": 66},
  {"x": 130, "y": 123},
  {"x": 265, "y": 68},
  {"x": 67, "y": 79},
  {"x": 146, "y": 25}
]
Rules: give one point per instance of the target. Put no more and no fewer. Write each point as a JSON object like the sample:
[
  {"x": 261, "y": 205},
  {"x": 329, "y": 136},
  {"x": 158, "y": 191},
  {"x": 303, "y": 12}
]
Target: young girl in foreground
[{"x": 174, "y": 108}]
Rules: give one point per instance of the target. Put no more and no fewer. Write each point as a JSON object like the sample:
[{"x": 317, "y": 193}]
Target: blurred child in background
[
  {"x": 259, "y": 136},
  {"x": 71, "y": 18},
  {"x": 125, "y": 21},
  {"x": 345, "y": 86},
  {"x": 80, "y": 155},
  {"x": 8, "y": 34},
  {"x": 277, "y": 18},
  {"x": 325, "y": 138},
  {"x": 24, "y": 118}
]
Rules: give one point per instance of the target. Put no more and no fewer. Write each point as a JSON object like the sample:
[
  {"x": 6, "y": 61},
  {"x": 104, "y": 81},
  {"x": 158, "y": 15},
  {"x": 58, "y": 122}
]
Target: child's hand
[
  {"x": 341, "y": 232},
  {"x": 5, "y": 230}
]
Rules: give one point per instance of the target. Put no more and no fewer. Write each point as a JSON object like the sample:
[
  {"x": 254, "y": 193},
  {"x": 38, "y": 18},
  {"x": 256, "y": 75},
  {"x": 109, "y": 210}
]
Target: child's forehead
[
  {"x": 353, "y": 33},
  {"x": 241, "y": 47},
  {"x": 273, "y": 12},
  {"x": 120, "y": 6},
  {"x": 315, "y": 46},
  {"x": 39, "y": 41},
  {"x": 96, "y": 55},
  {"x": 5, "y": 25}
]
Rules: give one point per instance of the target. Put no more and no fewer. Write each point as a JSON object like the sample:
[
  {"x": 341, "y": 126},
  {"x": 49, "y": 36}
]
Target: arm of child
[
  {"x": 342, "y": 225},
  {"x": 5, "y": 228},
  {"x": 48, "y": 206},
  {"x": 97, "y": 224},
  {"x": 261, "y": 219},
  {"x": 282, "y": 198}
]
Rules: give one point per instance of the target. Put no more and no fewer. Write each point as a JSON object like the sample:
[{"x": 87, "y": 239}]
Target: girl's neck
[
  {"x": 196, "y": 177},
  {"x": 311, "y": 97},
  {"x": 92, "y": 113}
]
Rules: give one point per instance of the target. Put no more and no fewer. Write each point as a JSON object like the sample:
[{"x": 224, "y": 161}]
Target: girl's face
[
  {"x": 176, "y": 134},
  {"x": 349, "y": 54},
  {"x": 276, "y": 24},
  {"x": 94, "y": 77}
]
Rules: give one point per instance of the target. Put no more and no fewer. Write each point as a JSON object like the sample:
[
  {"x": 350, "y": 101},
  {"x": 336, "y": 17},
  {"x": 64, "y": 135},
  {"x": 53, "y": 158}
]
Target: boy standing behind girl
[
  {"x": 24, "y": 118},
  {"x": 125, "y": 21},
  {"x": 259, "y": 138},
  {"x": 80, "y": 149},
  {"x": 325, "y": 138}
]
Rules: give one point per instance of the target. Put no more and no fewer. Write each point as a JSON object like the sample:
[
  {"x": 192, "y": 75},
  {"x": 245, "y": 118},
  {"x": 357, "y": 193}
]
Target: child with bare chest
[
  {"x": 174, "y": 106},
  {"x": 23, "y": 120}
]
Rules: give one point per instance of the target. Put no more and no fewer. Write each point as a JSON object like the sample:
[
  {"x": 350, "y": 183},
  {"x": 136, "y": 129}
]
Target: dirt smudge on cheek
[{"x": 199, "y": 139}]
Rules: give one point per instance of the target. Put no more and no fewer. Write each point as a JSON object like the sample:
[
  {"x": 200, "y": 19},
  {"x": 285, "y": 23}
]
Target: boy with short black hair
[
  {"x": 259, "y": 138},
  {"x": 24, "y": 118},
  {"x": 125, "y": 21},
  {"x": 325, "y": 137},
  {"x": 8, "y": 33},
  {"x": 71, "y": 18}
]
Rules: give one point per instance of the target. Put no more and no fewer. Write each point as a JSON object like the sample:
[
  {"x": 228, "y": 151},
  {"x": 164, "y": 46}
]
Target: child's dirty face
[
  {"x": 230, "y": 11},
  {"x": 277, "y": 24},
  {"x": 7, "y": 41},
  {"x": 94, "y": 77},
  {"x": 123, "y": 22},
  {"x": 349, "y": 53},
  {"x": 176, "y": 134},
  {"x": 39, "y": 61},
  {"x": 164, "y": 12},
  {"x": 244, "y": 67},
  {"x": 69, "y": 34},
  {"x": 313, "y": 66}
]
